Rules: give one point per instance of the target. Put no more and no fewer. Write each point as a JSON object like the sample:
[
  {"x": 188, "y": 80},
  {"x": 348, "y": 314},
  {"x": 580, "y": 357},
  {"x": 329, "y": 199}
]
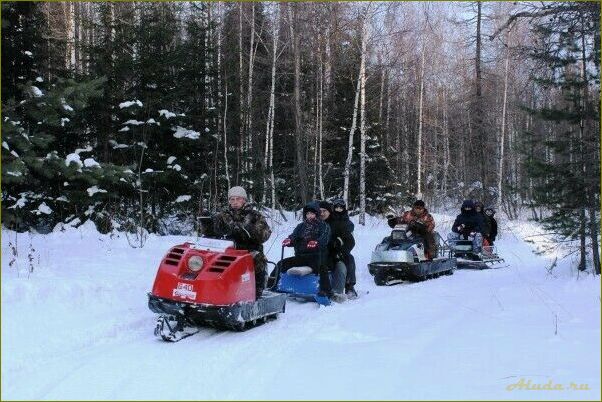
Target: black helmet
[{"x": 468, "y": 204}]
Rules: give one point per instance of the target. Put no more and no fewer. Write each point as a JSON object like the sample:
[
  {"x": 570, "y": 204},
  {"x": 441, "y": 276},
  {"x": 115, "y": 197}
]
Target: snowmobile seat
[{"x": 300, "y": 271}]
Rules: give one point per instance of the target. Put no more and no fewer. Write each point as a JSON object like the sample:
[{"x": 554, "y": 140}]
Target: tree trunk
[
  {"x": 300, "y": 160},
  {"x": 241, "y": 114},
  {"x": 479, "y": 140},
  {"x": 248, "y": 112},
  {"x": 362, "y": 217},
  {"x": 502, "y": 136},
  {"x": 445, "y": 145},
  {"x": 420, "y": 122},
  {"x": 269, "y": 141},
  {"x": 220, "y": 95},
  {"x": 347, "y": 171}
]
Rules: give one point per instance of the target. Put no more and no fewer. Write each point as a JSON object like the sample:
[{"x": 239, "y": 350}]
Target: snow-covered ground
[{"x": 78, "y": 327}]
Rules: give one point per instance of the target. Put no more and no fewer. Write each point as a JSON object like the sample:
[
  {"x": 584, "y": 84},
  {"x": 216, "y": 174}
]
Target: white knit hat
[{"x": 237, "y": 191}]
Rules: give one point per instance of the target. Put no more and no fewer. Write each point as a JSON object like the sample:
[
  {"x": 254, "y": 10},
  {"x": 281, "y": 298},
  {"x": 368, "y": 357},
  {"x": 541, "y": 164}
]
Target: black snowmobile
[{"x": 470, "y": 256}]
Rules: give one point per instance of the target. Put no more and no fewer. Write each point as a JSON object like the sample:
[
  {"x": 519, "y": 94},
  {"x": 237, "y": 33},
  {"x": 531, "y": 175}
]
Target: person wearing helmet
[
  {"x": 421, "y": 222},
  {"x": 248, "y": 228},
  {"x": 489, "y": 212}
]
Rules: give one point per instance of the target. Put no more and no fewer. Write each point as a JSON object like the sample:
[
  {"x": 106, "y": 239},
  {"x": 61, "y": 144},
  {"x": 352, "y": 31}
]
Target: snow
[
  {"x": 88, "y": 148},
  {"x": 177, "y": 167},
  {"x": 94, "y": 189},
  {"x": 37, "y": 92},
  {"x": 166, "y": 113},
  {"x": 170, "y": 160},
  {"x": 20, "y": 202},
  {"x": 67, "y": 108},
  {"x": 28, "y": 53},
  {"x": 16, "y": 174},
  {"x": 78, "y": 327},
  {"x": 90, "y": 162},
  {"x": 39, "y": 79},
  {"x": 130, "y": 103},
  {"x": 13, "y": 153},
  {"x": 116, "y": 145},
  {"x": 181, "y": 132},
  {"x": 124, "y": 129},
  {"x": 43, "y": 209},
  {"x": 134, "y": 122},
  {"x": 74, "y": 157},
  {"x": 64, "y": 120},
  {"x": 152, "y": 121},
  {"x": 183, "y": 198}
]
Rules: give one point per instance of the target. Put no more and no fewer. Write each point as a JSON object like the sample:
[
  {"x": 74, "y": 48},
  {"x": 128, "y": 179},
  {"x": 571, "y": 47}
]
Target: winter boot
[
  {"x": 350, "y": 292},
  {"x": 338, "y": 297}
]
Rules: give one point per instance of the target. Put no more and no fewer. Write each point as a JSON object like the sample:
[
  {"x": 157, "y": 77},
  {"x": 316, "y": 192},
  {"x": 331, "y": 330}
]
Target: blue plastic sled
[{"x": 303, "y": 287}]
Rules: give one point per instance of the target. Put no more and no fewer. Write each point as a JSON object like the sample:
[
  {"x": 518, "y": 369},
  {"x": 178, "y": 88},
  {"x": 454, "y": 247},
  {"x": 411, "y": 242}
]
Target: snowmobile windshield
[{"x": 398, "y": 235}]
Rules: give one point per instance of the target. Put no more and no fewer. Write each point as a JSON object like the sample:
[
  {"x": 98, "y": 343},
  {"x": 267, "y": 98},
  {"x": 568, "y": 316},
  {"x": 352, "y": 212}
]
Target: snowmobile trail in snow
[{"x": 463, "y": 336}]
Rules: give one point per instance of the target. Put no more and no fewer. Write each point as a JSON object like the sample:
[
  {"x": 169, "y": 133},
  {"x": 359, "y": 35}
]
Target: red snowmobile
[{"x": 208, "y": 283}]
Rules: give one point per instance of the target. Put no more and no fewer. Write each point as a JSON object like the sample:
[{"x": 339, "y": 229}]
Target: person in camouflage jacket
[
  {"x": 248, "y": 229},
  {"x": 425, "y": 228}
]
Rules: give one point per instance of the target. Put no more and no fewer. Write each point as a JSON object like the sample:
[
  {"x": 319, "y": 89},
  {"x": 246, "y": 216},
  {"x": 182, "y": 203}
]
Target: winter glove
[
  {"x": 312, "y": 244},
  {"x": 287, "y": 242}
]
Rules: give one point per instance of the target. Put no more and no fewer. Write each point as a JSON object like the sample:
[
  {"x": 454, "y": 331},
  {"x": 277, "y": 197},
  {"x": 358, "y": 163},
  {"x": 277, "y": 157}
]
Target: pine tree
[{"x": 567, "y": 172}]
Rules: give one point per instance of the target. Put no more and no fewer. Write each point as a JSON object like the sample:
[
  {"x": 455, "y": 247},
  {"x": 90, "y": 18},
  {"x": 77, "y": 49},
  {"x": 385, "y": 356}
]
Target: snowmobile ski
[{"x": 171, "y": 329}]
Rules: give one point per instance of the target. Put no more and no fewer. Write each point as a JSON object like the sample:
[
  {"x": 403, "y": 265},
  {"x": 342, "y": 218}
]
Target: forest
[{"x": 140, "y": 115}]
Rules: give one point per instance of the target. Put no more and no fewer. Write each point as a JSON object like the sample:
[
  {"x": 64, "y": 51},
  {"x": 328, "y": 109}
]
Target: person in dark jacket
[
  {"x": 479, "y": 208},
  {"x": 467, "y": 223},
  {"x": 246, "y": 227},
  {"x": 341, "y": 216},
  {"x": 489, "y": 212},
  {"x": 339, "y": 249},
  {"x": 310, "y": 240}
]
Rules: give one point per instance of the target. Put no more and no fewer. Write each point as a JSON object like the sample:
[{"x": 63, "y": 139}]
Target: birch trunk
[
  {"x": 219, "y": 93},
  {"x": 347, "y": 171},
  {"x": 248, "y": 114},
  {"x": 502, "y": 136},
  {"x": 269, "y": 141},
  {"x": 69, "y": 11},
  {"x": 445, "y": 145},
  {"x": 362, "y": 217},
  {"x": 241, "y": 115},
  {"x": 320, "y": 120},
  {"x": 420, "y": 122}
]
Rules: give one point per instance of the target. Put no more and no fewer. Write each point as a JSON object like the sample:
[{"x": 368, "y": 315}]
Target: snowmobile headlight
[{"x": 195, "y": 263}]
